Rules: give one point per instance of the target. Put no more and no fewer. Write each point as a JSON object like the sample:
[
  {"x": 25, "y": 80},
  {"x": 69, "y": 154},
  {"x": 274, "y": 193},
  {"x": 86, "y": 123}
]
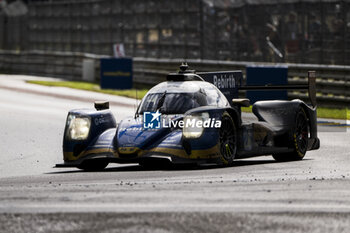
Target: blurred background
[
  {"x": 294, "y": 31},
  {"x": 68, "y": 39}
]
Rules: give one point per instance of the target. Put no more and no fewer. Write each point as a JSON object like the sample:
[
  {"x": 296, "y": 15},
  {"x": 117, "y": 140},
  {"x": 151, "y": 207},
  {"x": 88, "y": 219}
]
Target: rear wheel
[
  {"x": 93, "y": 165},
  {"x": 299, "y": 140},
  {"x": 227, "y": 139}
]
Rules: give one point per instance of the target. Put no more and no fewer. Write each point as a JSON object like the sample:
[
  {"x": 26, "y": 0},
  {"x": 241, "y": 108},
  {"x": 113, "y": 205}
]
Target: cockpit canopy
[{"x": 179, "y": 97}]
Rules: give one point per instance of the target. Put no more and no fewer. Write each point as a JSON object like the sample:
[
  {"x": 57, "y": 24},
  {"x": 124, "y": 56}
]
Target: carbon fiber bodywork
[{"x": 130, "y": 142}]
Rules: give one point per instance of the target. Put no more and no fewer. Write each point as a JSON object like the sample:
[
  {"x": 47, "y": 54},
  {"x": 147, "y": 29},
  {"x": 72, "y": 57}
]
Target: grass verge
[
  {"x": 321, "y": 112},
  {"x": 92, "y": 87},
  {"x": 332, "y": 113}
]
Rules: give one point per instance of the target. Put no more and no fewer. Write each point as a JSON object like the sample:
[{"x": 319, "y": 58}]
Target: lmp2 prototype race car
[{"x": 193, "y": 118}]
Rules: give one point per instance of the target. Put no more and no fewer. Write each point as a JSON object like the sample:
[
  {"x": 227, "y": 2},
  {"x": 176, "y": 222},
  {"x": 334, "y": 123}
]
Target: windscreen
[
  {"x": 172, "y": 103},
  {"x": 179, "y": 103}
]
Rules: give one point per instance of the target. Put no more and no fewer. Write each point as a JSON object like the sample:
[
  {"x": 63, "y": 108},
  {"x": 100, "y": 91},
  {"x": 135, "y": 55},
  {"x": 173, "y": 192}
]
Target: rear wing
[
  {"x": 230, "y": 82},
  {"x": 311, "y": 87}
]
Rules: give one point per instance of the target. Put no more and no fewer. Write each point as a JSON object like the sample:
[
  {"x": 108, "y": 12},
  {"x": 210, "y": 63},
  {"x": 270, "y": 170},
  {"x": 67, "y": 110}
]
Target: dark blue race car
[{"x": 192, "y": 118}]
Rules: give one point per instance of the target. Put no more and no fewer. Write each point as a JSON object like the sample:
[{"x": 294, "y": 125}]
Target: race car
[{"x": 193, "y": 118}]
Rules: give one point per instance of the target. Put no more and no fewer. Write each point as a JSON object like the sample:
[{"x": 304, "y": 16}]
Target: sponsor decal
[
  {"x": 224, "y": 81},
  {"x": 153, "y": 120},
  {"x": 101, "y": 120}
]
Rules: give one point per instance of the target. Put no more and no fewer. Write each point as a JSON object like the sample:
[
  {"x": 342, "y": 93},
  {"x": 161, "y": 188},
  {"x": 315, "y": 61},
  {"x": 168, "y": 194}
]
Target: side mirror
[
  {"x": 101, "y": 105},
  {"x": 241, "y": 102}
]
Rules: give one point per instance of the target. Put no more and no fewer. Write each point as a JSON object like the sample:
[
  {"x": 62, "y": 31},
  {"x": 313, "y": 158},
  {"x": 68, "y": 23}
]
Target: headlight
[
  {"x": 194, "y": 125},
  {"x": 78, "y": 127}
]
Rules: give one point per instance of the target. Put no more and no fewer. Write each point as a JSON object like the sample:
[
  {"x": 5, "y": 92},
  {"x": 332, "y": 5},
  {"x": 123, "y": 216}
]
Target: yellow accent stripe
[
  {"x": 70, "y": 156},
  {"x": 128, "y": 150}
]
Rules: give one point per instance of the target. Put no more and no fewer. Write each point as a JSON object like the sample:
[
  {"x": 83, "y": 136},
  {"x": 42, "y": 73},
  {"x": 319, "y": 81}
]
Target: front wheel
[
  {"x": 299, "y": 140},
  {"x": 93, "y": 165},
  {"x": 227, "y": 139}
]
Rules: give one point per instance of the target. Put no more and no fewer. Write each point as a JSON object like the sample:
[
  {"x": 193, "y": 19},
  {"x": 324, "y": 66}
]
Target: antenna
[
  {"x": 183, "y": 67},
  {"x": 136, "y": 97},
  {"x": 136, "y": 108}
]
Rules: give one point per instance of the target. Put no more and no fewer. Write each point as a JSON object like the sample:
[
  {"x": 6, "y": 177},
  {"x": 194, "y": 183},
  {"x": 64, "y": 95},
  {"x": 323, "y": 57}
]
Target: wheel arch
[
  {"x": 311, "y": 114},
  {"x": 236, "y": 116}
]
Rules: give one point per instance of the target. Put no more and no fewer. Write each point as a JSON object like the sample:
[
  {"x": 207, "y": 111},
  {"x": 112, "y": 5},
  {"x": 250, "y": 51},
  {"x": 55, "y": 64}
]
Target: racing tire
[
  {"x": 227, "y": 139},
  {"x": 299, "y": 139},
  {"x": 93, "y": 165}
]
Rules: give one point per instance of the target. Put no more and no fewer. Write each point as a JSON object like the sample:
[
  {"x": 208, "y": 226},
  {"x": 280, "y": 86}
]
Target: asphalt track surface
[{"x": 254, "y": 195}]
